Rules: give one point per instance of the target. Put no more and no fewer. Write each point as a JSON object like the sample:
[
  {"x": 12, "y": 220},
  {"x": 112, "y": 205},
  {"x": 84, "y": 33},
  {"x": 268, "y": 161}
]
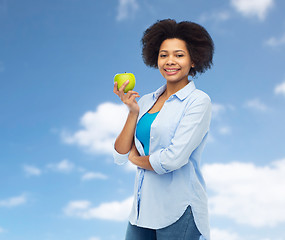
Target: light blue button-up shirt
[{"x": 177, "y": 139}]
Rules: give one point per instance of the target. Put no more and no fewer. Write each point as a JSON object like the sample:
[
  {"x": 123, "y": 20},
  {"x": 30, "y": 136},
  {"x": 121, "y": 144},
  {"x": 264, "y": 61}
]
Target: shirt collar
[
  {"x": 181, "y": 94},
  {"x": 159, "y": 91}
]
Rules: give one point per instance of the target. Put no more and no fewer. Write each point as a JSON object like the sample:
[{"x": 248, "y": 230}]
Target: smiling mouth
[{"x": 171, "y": 70}]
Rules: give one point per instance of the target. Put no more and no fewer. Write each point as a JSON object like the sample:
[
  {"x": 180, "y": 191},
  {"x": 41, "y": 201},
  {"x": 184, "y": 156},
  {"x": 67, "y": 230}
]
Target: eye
[
  {"x": 180, "y": 55},
  {"x": 162, "y": 55}
]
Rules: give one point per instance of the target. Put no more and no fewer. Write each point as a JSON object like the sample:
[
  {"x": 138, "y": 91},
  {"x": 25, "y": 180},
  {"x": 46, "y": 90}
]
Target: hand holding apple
[
  {"x": 120, "y": 78},
  {"x": 123, "y": 85}
]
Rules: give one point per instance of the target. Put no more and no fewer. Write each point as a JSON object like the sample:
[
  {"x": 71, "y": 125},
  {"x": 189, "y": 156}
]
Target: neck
[{"x": 172, "y": 87}]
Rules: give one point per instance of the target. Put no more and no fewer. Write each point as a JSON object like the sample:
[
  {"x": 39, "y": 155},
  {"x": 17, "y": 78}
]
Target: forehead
[{"x": 173, "y": 44}]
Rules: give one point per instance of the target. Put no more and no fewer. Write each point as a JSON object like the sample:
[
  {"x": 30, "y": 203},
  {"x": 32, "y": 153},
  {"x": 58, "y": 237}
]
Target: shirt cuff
[
  {"x": 119, "y": 158},
  {"x": 154, "y": 160}
]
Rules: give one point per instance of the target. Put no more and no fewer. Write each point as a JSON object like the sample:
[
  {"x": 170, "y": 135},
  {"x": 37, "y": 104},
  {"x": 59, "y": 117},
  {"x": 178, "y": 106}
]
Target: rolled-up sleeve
[
  {"x": 189, "y": 133},
  {"x": 120, "y": 159}
]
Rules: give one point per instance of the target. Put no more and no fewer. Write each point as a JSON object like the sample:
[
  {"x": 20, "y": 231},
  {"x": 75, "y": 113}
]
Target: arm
[
  {"x": 124, "y": 141},
  {"x": 140, "y": 161},
  {"x": 189, "y": 134}
]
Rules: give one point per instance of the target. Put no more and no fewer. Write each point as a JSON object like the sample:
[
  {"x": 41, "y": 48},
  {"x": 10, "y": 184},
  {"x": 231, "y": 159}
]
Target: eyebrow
[{"x": 174, "y": 51}]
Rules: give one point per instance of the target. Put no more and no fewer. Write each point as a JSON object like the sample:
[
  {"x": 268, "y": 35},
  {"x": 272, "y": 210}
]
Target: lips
[{"x": 171, "y": 71}]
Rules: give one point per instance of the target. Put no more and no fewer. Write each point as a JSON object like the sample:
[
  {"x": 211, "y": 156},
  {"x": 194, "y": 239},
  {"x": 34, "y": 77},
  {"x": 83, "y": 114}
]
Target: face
[{"x": 174, "y": 60}]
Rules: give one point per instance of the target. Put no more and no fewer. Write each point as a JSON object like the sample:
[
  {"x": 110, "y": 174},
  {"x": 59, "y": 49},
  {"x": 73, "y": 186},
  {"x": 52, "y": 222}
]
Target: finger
[
  {"x": 129, "y": 94},
  {"x": 116, "y": 88},
  {"x": 132, "y": 92},
  {"x": 130, "y": 100},
  {"x": 124, "y": 85},
  {"x": 133, "y": 97}
]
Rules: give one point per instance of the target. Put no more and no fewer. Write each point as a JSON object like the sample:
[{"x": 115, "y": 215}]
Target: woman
[{"x": 164, "y": 136}]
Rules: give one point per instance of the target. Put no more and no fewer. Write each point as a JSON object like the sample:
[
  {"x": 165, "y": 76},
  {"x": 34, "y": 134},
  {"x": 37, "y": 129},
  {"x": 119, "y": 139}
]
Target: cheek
[
  {"x": 187, "y": 65},
  {"x": 159, "y": 64},
  {"x": 161, "y": 70}
]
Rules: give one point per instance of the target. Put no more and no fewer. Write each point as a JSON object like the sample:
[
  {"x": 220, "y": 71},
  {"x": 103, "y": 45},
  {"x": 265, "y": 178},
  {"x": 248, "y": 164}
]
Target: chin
[{"x": 175, "y": 79}]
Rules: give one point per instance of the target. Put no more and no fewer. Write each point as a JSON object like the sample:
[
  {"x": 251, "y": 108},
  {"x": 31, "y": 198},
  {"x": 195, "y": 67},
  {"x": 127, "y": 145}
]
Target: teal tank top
[{"x": 143, "y": 130}]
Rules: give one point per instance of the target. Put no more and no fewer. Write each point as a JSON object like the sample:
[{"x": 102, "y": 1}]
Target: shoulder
[
  {"x": 198, "y": 102},
  {"x": 145, "y": 98},
  {"x": 198, "y": 96}
]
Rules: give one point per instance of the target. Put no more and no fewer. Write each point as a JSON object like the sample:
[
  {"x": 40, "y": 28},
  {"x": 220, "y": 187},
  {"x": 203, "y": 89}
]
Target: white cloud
[
  {"x": 99, "y": 128},
  {"x": 126, "y": 9},
  {"x": 280, "y": 89},
  {"x": 1, "y": 230},
  {"x": 32, "y": 171},
  {"x": 217, "y": 109},
  {"x": 256, "y": 104},
  {"x": 64, "y": 166},
  {"x": 218, "y": 113},
  {"x": 13, "y": 201},
  {"x": 218, "y": 234},
  {"x": 247, "y": 193},
  {"x": 253, "y": 8},
  {"x": 93, "y": 175},
  {"x": 225, "y": 130},
  {"x": 275, "y": 42},
  {"x": 114, "y": 211}
]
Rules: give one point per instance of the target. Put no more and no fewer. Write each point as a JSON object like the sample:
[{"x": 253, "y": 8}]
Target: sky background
[{"x": 59, "y": 115}]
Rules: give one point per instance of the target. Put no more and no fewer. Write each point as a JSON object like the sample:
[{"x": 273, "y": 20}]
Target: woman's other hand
[{"x": 128, "y": 98}]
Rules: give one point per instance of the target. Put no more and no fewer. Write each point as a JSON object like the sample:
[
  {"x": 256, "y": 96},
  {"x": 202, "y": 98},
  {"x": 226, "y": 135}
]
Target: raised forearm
[{"x": 124, "y": 141}]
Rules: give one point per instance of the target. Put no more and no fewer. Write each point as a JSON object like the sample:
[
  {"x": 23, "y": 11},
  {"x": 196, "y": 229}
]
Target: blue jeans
[{"x": 183, "y": 229}]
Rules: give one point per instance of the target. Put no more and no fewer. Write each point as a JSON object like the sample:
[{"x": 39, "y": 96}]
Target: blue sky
[{"x": 59, "y": 116}]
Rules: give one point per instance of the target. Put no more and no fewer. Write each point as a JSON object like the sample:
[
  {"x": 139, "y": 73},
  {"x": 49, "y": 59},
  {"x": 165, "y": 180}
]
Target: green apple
[{"x": 120, "y": 78}]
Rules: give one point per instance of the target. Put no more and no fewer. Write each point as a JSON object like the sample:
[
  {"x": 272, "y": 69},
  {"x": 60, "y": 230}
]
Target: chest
[
  {"x": 164, "y": 126},
  {"x": 157, "y": 106}
]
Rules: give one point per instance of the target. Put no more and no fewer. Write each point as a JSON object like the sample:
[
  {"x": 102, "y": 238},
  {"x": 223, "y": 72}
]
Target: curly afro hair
[{"x": 198, "y": 41}]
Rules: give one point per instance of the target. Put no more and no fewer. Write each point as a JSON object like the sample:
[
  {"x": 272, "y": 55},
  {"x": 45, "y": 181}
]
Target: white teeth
[{"x": 172, "y": 70}]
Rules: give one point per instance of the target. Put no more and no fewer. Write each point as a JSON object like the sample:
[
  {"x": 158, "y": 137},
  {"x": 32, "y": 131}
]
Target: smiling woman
[{"x": 165, "y": 134}]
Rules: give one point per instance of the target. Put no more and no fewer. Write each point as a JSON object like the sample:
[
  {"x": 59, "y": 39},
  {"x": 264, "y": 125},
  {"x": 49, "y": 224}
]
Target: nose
[{"x": 170, "y": 61}]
